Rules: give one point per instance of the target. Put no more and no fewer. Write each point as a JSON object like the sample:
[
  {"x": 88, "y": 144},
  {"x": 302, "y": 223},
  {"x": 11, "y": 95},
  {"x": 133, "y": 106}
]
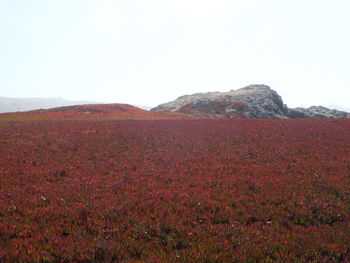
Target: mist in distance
[{"x": 150, "y": 52}]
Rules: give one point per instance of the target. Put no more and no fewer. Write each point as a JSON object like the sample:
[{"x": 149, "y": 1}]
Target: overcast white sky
[{"x": 148, "y": 52}]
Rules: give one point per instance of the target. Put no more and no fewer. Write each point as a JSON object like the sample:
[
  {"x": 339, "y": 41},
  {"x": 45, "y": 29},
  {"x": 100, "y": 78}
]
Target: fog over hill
[
  {"x": 8, "y": 104},
  {"x": 26, "y": 104}
]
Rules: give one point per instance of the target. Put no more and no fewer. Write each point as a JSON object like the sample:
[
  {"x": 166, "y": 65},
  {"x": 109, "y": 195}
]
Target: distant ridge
[
  {"x": 337, "y": 107},
  {"x": 26, "y": 104},
  {"x": 253, "y": 101}
]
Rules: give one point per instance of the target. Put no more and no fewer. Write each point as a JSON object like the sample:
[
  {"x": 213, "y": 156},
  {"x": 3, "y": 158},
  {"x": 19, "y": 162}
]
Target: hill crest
[{"x": 94, "y": 111}]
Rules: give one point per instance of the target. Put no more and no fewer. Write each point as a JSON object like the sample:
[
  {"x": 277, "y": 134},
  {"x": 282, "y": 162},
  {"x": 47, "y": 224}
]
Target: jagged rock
[{"x": 254, "y": 101}]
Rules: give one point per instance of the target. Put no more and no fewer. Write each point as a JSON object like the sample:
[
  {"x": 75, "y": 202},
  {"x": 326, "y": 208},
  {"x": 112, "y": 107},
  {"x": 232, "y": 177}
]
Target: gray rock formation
[
  {"x": 254, "y": 101},
  {"x": 317, "y": 112}
]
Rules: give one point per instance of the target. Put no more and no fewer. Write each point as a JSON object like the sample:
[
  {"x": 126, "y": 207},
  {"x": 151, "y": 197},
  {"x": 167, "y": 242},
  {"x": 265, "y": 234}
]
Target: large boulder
[{"x": 254, "y": 101}]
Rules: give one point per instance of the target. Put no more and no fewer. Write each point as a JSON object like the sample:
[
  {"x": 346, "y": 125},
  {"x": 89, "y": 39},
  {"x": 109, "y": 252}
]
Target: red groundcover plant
[{"x": 175, "y": 191}]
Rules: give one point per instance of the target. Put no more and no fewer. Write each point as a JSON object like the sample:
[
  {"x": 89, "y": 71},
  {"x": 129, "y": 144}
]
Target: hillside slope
[{"x": 94, "y": 111}]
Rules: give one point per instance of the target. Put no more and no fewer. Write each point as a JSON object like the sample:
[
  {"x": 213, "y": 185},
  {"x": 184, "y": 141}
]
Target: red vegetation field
[{"x": 175, "y": 191}]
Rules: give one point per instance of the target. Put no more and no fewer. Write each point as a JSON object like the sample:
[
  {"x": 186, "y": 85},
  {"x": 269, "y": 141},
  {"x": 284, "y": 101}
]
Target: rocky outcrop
[
  {"x": 317, "y": 112},
  {"x": 254, "y": 101}
]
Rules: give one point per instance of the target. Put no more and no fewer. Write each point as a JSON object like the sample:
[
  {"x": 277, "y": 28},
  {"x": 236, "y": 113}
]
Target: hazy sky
[{"x": 151, "y": 51}]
